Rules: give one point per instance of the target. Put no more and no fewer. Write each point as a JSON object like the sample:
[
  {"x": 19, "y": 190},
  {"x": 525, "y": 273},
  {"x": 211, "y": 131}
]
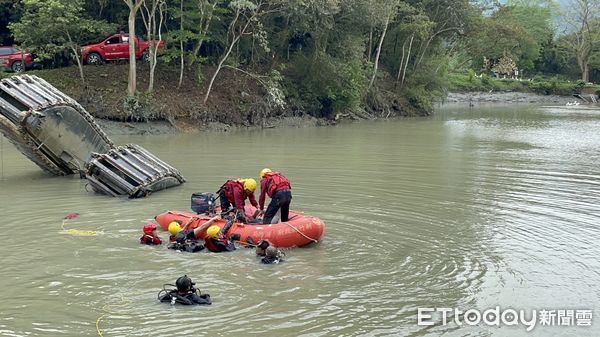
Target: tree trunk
[
  {"x": 401, "y": 61},
  {"x": 77, "y": 58},
  {"x": 407, "y": 58},
  {"x": 232, "y": 44},
  {"x": 376, "y": 65},
  {"x": 203, "y": 31},
  {"x": 154, "y": 47},
  {"x": 212, "y": 80},
  {"x": 585, "y": 71},
  {"x": 370, "y": 48},
  {"x": 150, "y": 23},
  {"x": 182, "y": 61},
  {"x": 131, "y": 86},
  {"x": 79, "y": 65}
]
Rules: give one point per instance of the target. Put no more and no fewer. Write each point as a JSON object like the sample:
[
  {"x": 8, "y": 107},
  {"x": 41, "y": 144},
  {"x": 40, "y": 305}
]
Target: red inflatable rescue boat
[{"x": 299, "y": 231}]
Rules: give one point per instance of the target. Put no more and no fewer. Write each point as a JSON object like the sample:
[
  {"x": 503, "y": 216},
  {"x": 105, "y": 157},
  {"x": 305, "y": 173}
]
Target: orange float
[{"x": 300, "y": 230}]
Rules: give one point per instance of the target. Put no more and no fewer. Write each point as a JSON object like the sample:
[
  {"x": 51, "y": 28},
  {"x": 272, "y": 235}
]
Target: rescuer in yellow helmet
[
  {"x": 236, "y": 192},
  {"x": 279, "y": 189}
]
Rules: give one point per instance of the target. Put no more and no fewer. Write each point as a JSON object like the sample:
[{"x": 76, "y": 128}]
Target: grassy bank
[
  {"x": 236, "y": 99},
  {"x": 470, "y": 82}
]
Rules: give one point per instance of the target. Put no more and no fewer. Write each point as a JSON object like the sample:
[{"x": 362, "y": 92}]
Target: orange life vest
[{"x": 276, "y": 182}]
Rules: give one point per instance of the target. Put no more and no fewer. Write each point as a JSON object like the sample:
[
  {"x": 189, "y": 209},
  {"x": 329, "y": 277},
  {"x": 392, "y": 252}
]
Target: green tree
[
  {"x": 48, "y": 27},
  {"x": 153, "y": 17},
  {"x": 245, "y": 21},
  {"x": 583, "y": 27},
  {"x": 10, "y": 11},
  {"x": 134, "y": 6},
  {"x": 503, "y": 34}
]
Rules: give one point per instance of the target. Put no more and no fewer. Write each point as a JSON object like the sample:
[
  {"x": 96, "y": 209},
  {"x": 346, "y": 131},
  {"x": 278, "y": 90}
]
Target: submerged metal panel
[
  {"x": 56, "y": 133},
  {"x": 137, "y": 175}
]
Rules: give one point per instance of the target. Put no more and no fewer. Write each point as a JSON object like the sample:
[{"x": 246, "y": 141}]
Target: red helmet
[{"x": 149, "y": 228}]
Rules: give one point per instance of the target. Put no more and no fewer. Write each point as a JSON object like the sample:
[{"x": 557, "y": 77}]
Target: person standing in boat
[
  {"x": 279, "y": 189},
  {"x": 236, "y": 192}
]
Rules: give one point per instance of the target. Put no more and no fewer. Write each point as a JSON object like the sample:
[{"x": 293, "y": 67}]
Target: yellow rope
[
  {"x": 107, "y": 310},
  {"x": 78, "y": 232},
  {"x": 299, "y": 232}
]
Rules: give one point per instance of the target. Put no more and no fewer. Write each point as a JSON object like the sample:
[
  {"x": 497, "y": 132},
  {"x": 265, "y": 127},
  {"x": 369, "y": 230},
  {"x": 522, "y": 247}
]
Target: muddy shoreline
[
  {"x": 506, "y": 97},
  {"x": 116, "y": 128},
  {"x": 182, "y": 125}
]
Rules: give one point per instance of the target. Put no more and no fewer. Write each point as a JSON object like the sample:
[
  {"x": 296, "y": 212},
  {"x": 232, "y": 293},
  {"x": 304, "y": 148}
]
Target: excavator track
[
  {"x": 62, "y": 138},
  {"x": 26, "y": 147}
]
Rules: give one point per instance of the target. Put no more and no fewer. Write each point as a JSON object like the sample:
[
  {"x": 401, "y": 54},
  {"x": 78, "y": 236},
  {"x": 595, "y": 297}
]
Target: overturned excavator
[{"x": 57, "y": 134}]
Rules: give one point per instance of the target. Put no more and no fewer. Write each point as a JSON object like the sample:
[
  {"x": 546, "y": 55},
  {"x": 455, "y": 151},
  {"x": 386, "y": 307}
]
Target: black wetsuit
[
  {"x": 190, "y": 298},
  {"x": 218, "y": 246},
  {"x": 186, "y": 241},
  {"x": 271, "y": 260}
]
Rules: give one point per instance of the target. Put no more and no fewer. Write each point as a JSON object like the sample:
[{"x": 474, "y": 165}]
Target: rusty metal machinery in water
[{"x": 58, "y": 135}]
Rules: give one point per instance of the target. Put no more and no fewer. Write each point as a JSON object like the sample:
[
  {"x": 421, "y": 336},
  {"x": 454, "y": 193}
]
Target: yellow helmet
[
  {"x": 264, "y": 171},
  {"x": 213, "y": 231},
  {"x": 174, "y": 228},
  {"x": 249, "y": 184}
]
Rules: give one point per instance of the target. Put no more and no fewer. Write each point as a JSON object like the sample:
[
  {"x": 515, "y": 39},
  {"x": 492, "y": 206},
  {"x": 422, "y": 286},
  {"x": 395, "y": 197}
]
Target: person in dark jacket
[
  {"x": 183, "y": 240},
  {"x": 185, "y": 294},
  {"x": 149, "y": 237},
  {"x": 216, "y": 241},
  {"x": 279, "y": 189},
  {"x": 261, "y": 247},
  {"x": 236, "y": 192},
  {"x": 272, "y": 256}
]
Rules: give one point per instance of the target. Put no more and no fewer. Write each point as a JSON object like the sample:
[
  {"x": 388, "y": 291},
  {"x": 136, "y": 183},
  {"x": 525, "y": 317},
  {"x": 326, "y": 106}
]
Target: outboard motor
[{"x": 203, "y": 203}]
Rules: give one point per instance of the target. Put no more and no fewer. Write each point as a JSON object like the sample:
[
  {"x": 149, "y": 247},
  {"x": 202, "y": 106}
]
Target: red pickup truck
[
  {"x": 116, "y": 47},
  {"x": 13, "y": 59}
]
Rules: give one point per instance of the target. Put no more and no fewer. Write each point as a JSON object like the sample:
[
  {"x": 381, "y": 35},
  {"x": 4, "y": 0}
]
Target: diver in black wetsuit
[{"x": 185, "y": 294}]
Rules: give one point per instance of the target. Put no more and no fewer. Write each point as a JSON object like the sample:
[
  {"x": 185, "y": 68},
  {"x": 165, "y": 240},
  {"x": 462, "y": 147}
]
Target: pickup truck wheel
[
  {"x": 17, "y": 66},
  {"x": 145, "y": 56},
  {"x": 94, "y": 58}
]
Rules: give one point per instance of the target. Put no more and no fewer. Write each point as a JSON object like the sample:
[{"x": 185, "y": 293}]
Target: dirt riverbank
[{"x": 506, "y": 97}]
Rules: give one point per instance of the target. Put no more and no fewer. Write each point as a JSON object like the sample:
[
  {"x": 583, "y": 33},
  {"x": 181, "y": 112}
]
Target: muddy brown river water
[{"x": 469, "y": 209}]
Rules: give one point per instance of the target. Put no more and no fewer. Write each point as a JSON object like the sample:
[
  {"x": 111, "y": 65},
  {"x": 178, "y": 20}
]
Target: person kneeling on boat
[
  {"x": 184, "y": 240},
  {"x": 150, "y": 237},
  {"x": 236, "y": 192},
  {"x": 185, "y": 293},
  {"x": 216, "y": 241},
  {"x": 279, "y": 189},
  {"x": 272, "y": 256}
]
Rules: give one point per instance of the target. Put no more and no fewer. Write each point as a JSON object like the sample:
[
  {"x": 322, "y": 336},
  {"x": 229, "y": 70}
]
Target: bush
[
  {"x": 325, "y": 85},
  {"x": 140, "y": 108},
  {"x": 419, "y": 98}
]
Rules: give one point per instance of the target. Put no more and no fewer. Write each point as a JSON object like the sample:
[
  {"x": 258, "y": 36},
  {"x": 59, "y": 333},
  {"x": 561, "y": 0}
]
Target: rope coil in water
[
  {"x": 109, "y": 309},
  {"x": 73, "y": 231}
]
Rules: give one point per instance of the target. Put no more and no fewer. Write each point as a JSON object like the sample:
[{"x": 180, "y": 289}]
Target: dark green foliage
[
  {"x": 324, "y": 84},
  {"x": 538, "y": 84},
  {"x": 324, "y": 52}
]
